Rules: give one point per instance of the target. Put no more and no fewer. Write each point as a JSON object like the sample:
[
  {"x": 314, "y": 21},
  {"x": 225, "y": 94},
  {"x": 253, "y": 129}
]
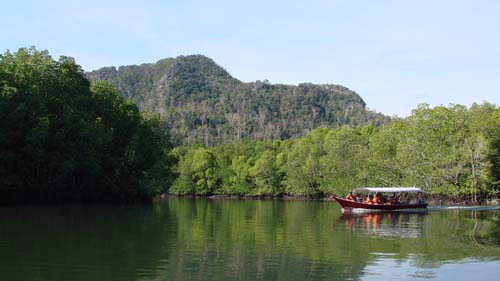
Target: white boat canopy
[{"x": 387, "y": 189}]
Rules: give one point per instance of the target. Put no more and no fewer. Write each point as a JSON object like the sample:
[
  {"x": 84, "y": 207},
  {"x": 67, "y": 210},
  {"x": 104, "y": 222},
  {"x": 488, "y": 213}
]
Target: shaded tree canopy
[{"x": 63, "y": 138}]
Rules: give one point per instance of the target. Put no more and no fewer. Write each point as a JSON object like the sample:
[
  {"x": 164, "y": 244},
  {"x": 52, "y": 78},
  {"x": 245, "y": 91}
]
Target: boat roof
[{"x": 387, "y": 189}]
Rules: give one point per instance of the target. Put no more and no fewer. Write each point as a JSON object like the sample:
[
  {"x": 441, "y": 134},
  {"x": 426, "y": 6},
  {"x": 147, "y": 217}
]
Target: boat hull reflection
[{"x": 385, "y": 224}]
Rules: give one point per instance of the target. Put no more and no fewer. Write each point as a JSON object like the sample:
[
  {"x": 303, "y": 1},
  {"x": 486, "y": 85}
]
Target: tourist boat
[{"x": 354, "y": 205}]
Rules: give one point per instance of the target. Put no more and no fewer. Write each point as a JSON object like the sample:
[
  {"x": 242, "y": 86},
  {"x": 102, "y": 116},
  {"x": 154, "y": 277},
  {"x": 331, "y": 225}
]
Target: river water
[{"x": 185, "y": 239}]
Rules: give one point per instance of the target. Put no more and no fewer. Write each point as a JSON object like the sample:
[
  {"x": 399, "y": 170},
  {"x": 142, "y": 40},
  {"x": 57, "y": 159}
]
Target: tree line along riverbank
[
  {"x": 432, "y": 200},
  {"x": 66, "y": 138},
  {"x": 449, "y": 151}
]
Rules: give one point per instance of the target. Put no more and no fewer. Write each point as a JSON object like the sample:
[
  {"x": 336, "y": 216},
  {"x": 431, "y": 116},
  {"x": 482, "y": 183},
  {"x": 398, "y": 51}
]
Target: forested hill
[{"x": 203, "y": 103}]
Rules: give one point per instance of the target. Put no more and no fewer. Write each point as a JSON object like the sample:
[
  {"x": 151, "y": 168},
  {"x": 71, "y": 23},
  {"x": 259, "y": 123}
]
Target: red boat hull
[{"x": 348, "y": 204}]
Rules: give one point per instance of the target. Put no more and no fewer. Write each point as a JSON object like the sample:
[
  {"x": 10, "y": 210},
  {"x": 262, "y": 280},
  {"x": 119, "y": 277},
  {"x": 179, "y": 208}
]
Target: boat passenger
[
  {"x": 376, "y": 199},
  {"x": 420, "y": 200},
  {"x": 349, "y": 196},
  {"x": 402, "y": 198},
  {"x": 393, "y": 199},
  {"x": 367, "y": 200},
  {"x": 382, "y": 198}
]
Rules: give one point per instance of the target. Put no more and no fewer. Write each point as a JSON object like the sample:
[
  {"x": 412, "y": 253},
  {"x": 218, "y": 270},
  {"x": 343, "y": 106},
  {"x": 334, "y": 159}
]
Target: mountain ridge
[{"x": 201, "y": 102}]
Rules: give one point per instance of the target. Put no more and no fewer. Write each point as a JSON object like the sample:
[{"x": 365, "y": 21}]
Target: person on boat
[
  {"x": 420, "y": 200},
  {"x": 349, "y": 196},
  {"x": 393, "y": 199},
  {"x": 367, "y": 200},
  {"x": 376, "y": 199},
  {"x": 402, "y": 198},
  {"x": 383, "y": 199}
]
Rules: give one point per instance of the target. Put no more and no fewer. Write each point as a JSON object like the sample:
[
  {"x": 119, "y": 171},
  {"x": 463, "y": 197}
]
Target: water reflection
[
  {"x": 485, "y": 228},
  {"x": 385, "y": 224},
  {"x": 74, "y": 242},
  {"x": 389, "y": 268},
  {"x": 242, "y": 240}
]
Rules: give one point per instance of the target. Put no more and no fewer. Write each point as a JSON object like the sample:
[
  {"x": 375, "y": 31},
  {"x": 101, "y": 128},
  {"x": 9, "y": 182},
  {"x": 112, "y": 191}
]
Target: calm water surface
[{"x": 182, "y": 239}]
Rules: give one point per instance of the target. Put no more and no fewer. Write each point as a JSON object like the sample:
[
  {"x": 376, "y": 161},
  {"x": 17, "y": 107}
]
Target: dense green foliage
[
  {"x": 203, "y": 104},
  {"x": 450, "y": 151},
  {"x": 65, "y": 138},
  {"x": 62, "y": 138}
]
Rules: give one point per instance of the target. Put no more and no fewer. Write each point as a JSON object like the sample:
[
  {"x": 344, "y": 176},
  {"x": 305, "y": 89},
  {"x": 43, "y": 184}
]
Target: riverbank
[
  {"x": 432, "y": 201},
  {"x": 242, "y": 197}
]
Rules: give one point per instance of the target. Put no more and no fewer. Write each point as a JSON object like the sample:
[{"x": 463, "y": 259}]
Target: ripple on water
[{"x": 466, "y": 208}]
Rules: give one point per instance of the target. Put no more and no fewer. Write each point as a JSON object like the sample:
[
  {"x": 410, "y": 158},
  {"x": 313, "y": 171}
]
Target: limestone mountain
[{"x": 201, "y": 102}]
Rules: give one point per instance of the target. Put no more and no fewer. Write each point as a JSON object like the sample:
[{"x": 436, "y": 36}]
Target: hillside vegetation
[
  {"x": 65, "y": 138},
  {"x": 451, "y": 152},
  {"x": 203, "y": 104}
]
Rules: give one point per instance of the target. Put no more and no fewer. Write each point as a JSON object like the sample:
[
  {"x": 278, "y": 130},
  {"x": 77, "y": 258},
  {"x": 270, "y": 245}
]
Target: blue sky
[{"x": 395, "y": 54}]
